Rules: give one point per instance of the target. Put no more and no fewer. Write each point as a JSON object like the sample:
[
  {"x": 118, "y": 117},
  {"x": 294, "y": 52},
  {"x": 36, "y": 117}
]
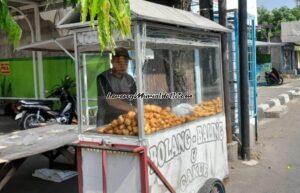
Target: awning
[
  {"x": 268, "y": 44},
  {"x": 297, "y": 48},
  {"x": 148, "y": 11},
  {"x": 52, "y": 45},
  {"x": 63, "y": 44}
]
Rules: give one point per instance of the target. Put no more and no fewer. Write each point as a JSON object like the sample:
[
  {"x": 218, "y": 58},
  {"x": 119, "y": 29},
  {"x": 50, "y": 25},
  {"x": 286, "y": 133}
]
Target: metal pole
[
  {"x": 244, "y": 75},
  {"x": 198, "y": 76},
  {"x": 34, "y": 75},
  {"x": 139, "y": 80},
  {"x": 171, "y": 71},
  {"x": 64, "y": 49},
  {"x": 85, "y": 90},
  {"x": 254, "y": 76},
  {"x": 39, "y": 54},
  {"x": 78, "y": 84},
  {"x": 33, "y": 53},
  {"x": 225, "y": 68}
]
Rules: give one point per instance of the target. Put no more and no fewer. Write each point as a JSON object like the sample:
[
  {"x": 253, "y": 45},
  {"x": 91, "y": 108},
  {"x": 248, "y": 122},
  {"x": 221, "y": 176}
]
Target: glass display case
[
  {"x": 158, "y": 114},
  {"x": 161, "y": 79}
]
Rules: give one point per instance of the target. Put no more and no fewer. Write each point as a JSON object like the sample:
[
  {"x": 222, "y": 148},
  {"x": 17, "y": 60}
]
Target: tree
[
  {"x": 111, "y": 15},
  {"x": 180, "y": 4},
  {"x": 206, "y": 8},
  {"x": 270, "y": 21},
  {"x": 8, "y": 24}
]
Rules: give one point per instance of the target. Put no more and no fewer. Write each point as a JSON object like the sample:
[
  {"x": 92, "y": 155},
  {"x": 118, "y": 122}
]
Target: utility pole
[
  {"x": 225, "y": 68},
  {"x": 206, "y": 9},
  {"x": 244, "y": 77},
  {"x": 179, "y": 4}
]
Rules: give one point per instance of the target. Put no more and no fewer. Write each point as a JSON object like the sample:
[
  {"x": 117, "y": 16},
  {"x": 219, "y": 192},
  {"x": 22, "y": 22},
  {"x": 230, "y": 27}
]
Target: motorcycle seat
[{"x": 37, "y": 102}]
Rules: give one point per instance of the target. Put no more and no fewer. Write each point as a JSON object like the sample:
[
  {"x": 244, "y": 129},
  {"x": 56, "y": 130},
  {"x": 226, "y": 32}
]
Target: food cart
[{"x": 176, "y": 139}]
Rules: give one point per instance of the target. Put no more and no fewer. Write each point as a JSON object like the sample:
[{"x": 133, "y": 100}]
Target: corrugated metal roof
[
  {"x": 144, "y": 10},
  {"x": 51, "y": 45}
]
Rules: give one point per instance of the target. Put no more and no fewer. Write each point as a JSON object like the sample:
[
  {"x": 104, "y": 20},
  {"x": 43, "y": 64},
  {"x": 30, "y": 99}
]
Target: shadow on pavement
[{"x": 7, "y": 124}]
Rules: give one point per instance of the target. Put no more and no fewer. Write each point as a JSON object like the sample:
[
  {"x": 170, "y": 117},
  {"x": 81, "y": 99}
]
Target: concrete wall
[{"x": 276, "y": 59}]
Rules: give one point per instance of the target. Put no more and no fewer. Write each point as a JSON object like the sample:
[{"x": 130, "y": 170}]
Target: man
[{"x": 115, "y": 81}]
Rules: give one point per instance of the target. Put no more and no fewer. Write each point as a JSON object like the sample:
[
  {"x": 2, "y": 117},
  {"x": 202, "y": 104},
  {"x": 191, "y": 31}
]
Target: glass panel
[
  {"x": 189, "y": 36},
  {"x": 93, "y": 65},
  {"x": 110, "y": 84},
  {"x": 211, "y": 78},
  {"x": 181, "y": 85},
  {"x": 114, "y": 89}
]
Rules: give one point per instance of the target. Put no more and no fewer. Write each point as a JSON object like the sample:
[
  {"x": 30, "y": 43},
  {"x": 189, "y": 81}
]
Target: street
[
  {"x": 7, "y": 124},
  {"x": 23, "y": 182},
  {"x": 278, "y": 170},
  {"x": 267, "y": 92}
]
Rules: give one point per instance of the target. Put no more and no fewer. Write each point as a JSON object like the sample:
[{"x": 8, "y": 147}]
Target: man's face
[{"x": 120, "y": 64}]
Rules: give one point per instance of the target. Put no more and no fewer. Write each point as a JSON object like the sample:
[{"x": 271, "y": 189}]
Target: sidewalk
[
  {"x": 267, "y": 92},
  {"x": 272, "y": 100},
  {"x": 278, "y": 170}
]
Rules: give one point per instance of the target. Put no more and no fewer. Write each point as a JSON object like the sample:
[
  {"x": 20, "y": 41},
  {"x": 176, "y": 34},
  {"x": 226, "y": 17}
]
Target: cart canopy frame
[{"x": 144, "y": 14}]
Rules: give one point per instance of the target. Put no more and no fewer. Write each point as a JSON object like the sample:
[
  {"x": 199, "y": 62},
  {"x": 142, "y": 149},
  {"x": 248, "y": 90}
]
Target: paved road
[
  {"x": 7, "y": 124},
  {"x": 23, "y": 182},
  {"x": 278, "y": 170},
  {"x": 267, "y": 92}
]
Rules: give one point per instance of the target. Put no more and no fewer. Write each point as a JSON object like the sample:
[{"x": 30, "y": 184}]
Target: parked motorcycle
[
  {"x": 274, "y": 77},
  {"x": 37, "y": 113}
]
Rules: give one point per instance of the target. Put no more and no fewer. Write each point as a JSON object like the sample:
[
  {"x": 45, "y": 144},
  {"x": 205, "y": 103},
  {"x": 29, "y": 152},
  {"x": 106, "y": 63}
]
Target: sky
[{"x": 271, "y": 4}]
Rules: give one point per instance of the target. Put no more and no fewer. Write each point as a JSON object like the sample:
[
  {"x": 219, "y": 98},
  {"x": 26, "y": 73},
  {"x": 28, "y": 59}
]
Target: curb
[{"x": 278, "y": 101}]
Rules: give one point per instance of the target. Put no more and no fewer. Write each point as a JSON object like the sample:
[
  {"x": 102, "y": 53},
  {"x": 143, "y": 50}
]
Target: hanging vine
[
  {"x": 108, "y": 15},
  {"x": 9, "y": 25},
  {"x": 111, "y": 15}
]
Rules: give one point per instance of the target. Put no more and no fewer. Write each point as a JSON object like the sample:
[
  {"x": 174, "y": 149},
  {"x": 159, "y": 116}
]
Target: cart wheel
[{"x": 212, "y": 186}]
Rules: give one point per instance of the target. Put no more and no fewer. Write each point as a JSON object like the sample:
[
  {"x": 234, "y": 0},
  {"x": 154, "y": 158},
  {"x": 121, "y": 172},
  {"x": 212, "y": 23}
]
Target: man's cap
[{"x": 122, "y": 52}]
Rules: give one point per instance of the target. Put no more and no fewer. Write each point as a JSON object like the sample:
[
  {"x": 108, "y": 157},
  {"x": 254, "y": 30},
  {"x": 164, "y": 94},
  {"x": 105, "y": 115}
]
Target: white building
[
  {"x": 298, "y": 3},
  {"x": 290, "y": 33}
]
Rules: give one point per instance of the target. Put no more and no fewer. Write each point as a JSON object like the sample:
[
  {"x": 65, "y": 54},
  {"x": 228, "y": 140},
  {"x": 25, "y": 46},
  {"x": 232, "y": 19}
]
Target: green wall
[
  {"x": 55, "y": 69},
  {"x": 21, "y": 77},
  {"x": 96, "y": 64}
]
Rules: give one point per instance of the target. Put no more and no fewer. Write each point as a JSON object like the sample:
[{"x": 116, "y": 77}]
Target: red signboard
[{"x": 4, "y": 68}]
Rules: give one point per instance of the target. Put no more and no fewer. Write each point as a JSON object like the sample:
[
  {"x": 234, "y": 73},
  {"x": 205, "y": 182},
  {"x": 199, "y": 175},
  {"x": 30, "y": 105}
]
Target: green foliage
[
  {"x": 111, "y": 16},
  {"x": 9, "y": 25},
  {"x": 263, "y": 58},
  {"x": 270, "y": 21}
]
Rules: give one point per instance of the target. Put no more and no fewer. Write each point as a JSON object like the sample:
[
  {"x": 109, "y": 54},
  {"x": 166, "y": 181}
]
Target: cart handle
[
  {"x": 111, "y": 147},
  {"x": 145, "y": 162},
  {"x": 160, "y": 175}
]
